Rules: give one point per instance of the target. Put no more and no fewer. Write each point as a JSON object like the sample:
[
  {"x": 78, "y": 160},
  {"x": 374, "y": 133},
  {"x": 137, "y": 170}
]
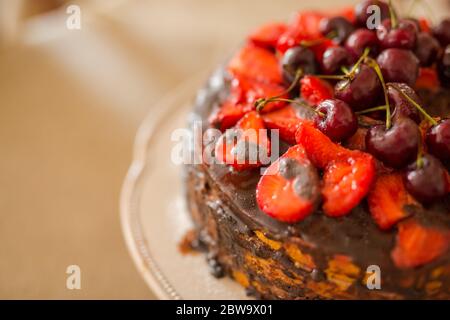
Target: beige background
[{"x": 70, "y": 104}]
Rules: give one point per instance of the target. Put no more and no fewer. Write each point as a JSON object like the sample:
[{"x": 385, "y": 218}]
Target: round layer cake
[{"x": 340, "y": 215}]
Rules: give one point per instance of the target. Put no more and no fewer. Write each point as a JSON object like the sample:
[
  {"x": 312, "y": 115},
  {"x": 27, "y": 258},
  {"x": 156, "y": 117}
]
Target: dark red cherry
[
  {"x": 362, "y": 15},
  {"x": 442, "y": 32},
  {"x": 297, "y": 58},
  {"x": 361, "y": 39},
  {"x": 427, "y": 49},
  {"x": 401, "y": 106},
  {"x": 427, "y": 182},
  {"x": 339, "y": 121},
  {"x": 399, "y": 65},
  {"x": 363, "y": 91},
  {"x": 338, "y": 27},
  {"x": 397, "y": 146},
  {"x": 403, "y": 36},
  {"x": 444, "y": 68},
  {"x": 438, "y": 140},
  {"x": 334, "y": 58}
]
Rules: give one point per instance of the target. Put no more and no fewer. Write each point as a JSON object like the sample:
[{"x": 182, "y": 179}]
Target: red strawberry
[
  {"x": 253, "y": 90},
  {"x": 289, "y": 189},
  {"x": 287, "y": 121},
  {"x": 315, "y": 90},
  {"x": 428, "y": 79},
  {"x": 319, "y": 148},
  {"x": 424, "y": 25},
  {"x": 358, "y": 140},
  {"x": 388, "y": 199},
  {"x": 348, "y": 13},
  {"x": 305, "y": 26},
  {"x": 346, "y": 182},
  {"x": 267, "y": 36},
  {"x": 245, "y": 145},
  {"x": 227, "y": 115},
  {"x": 256, "y": 63},
  {"x": 418, "y": 245}
]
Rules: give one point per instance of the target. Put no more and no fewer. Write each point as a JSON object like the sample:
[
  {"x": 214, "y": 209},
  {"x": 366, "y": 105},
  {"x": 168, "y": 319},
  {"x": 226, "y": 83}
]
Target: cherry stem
[
  {"x": 360, "y": 60},
  {"x": 374, "y": 65},
  {"x": 394, "y": 22},
  {"x": 345, "y": 70},
  {"x": 415, "y": 104},
  {"x": 419, "y": 160},
  {"x": 261, "y": 103},
  {"x": 300, "y": 103},
  {"x": 331, "y": 77},
  {"x": 380, "y": 108},
  {"x": 311, "y": 43}
]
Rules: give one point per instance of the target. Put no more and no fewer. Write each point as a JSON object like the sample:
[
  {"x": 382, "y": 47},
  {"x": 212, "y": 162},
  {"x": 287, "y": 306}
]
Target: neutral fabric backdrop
[{"x": 70, "y": 104}]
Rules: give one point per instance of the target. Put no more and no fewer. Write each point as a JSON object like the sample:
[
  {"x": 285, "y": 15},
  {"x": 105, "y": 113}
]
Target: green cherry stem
[
  {"x": 415, "y": 104},
  {"x": 360, "y": 60},
  {"x": 300, "y": 103},
  {"x": 374, "y": 65},
  {"x": 380, "y": 108},
  {"x": 394, "y": 21}
]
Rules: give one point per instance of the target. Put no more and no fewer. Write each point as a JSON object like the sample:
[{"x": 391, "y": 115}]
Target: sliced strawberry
[
  {"x": 256, "y": 63},
  {"x": 315, "y": 90},
  {"x": 348, "y": 13},
  {"x": 428, "y": 79},
  {"x": 289, "y": 189},
  {"x": 246, "y": 145},
  {"x": 418, "y": 245},
  {"x": 228, "y": 115},
  {"x": 267, "y": 36},
  {"x": 424, "y": 25},
  {"x": 287, "y": 121},
  {"x": 253, "y": 90},
  {"x": 319, "y": 148},
  {"x": 346, "y": 182},
  {"x": 304, "y": 26},
  {"x": 387, "y": 200}
]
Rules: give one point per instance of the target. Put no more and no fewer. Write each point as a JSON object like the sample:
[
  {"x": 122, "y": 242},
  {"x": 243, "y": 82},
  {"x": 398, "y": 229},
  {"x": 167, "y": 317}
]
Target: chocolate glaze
[{"x": 355, "y": 235}]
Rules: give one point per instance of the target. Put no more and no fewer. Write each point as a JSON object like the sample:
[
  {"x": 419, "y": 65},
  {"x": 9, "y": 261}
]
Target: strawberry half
[
  {"x": 245, "y": 145},
  {"x": 289, "y": 189},
  {"x": 256, "y": 63},
  {"x": 428, "y": 79},
  {"x": 304, "y": 26},
  {"x": 315, "y": 90},
  {"x": 267, "y": 36},
  {"x": 319, "y": 148},
  {"x": 388, "y": 199},
  {"x": 287, "y": 121},
  {"x": 346, "y": 182},
  {"x": 418, "y": 245}
]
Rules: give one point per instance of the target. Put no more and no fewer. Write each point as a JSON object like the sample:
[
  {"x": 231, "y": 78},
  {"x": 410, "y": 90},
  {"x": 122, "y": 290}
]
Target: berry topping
[
  {"x": 319, "y": 148},
  {"x": 438, "y": 140},
  {"x": 418, "y": 245},
  {"x": 267, "y": 36},
  {"x": 396, "y": 146},
  {"x": 346, "y": 182},
  {"x": 287, "y": 120},
  {"x": 402, "y": 36},
  {"x": 362, "y": 91},
  {"x": 442, "y": 32},
  {"x": 426, "y": 179},
  {"x": 444, "y": 68},
  {"x": 399, "y": 65},
  {"x": 336, "y": 119},
  {"x": 334, "y": 59},
  {"x": 361, "y": 39},
  {"x": 362, "y": 14},
  {"x": 402, "y": 106},
  {"x": 289, "y": 189},
  {"x": 314, "y": 90},
  {"x": 427, "y": 49},
  {"x": 388, "y": 200},
  {"x": 295, "y": 59},
  {"x": 255, "y": 63},
  {"x": 336, "y": 28},
  {"x": 245, "y": 145}
]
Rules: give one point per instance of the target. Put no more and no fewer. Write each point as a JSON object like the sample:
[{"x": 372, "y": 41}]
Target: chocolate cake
[{"x": 321, "y": 240}]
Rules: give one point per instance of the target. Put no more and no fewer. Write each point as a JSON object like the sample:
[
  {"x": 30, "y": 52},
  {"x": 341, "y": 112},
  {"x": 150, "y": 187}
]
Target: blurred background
[{"x": 70, "y": 105}]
